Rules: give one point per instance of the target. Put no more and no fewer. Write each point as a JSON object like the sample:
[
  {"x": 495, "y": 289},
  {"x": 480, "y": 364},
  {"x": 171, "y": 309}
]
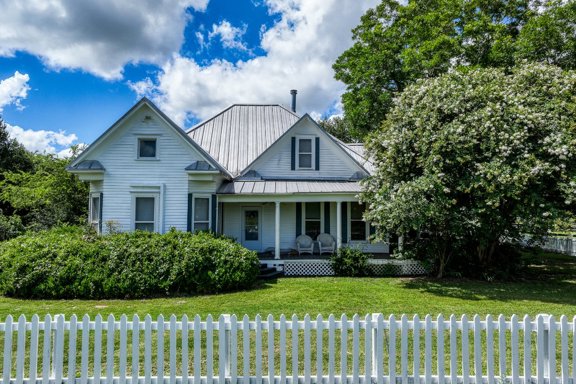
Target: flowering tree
[{"x": 470, "y": 159}]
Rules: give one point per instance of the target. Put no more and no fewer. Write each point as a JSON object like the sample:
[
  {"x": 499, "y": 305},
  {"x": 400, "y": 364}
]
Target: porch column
[
  {"x": 338, "y": 224},
  {"x": 277, "y": 232}
]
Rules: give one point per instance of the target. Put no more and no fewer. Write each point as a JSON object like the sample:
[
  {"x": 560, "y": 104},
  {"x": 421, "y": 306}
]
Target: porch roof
[{"x": 287, "y": 187}]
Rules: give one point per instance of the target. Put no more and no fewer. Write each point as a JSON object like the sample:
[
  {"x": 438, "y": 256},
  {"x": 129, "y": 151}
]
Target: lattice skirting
[{"x": 378, "y": 267}]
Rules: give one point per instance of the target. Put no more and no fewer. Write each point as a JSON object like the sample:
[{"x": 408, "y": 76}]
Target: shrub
[
  {"x": 350, "y": 262},
  {"x": 68, "y": 263}
]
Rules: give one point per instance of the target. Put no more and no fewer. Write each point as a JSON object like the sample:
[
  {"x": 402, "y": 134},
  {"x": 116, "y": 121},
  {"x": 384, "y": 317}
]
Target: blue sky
[{"x": 70, "y": 68}]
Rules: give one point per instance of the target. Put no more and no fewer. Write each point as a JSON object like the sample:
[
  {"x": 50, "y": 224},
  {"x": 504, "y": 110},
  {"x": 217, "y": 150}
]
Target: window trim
[
  {"x": 95, "y": 223},
  {"x": 156, "y": 197},
  {"x": 312, "y": 152},
  {"x": 349, "y": 224},
  {"x": 321, "y": 219},
  {"x": 209, "y": 222},
  {"x": 143, "y": 138}
]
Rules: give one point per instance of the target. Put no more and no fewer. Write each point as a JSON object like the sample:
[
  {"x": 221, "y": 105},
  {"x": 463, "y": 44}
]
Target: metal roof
[
  {"x": 87, "y": 165},
  {"x": 287, "y": 187},
  {"x": 357, "y": 152},
  {"x": 200, "y": 166},
  {"x": 241, "y": 133}
]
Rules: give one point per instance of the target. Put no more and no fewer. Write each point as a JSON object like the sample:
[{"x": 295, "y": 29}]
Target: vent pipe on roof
[{"x": 293, "y": 92}]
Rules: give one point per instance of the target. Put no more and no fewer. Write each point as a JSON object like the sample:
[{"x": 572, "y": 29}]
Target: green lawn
[{"x": 549, "y": 286}]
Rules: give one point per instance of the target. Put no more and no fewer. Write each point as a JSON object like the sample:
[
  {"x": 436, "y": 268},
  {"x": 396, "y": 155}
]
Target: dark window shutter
[
  {"x": 189, "y": 221},
  {"x": 372, "y": 230},
  {"x": 214, "y": 219},
  {"x": 345, "y": 222},
  {"x": 317, "y": 153},
  {"x": 327, "y": 217},
  {"x": 298, "y": 219},
  {"x": 293, "y": 159},
  {"x": 100, "y": 213}
]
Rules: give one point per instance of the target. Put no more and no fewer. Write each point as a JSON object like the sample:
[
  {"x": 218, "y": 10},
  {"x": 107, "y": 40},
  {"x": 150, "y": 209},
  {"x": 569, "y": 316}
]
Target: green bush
[
  {"x": 67, "y": 262},
  {"x": 350, "y": 262}
]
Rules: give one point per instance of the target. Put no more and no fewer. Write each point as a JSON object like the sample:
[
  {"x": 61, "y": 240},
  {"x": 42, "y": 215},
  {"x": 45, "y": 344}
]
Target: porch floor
[{"x": 293, "y": 255}]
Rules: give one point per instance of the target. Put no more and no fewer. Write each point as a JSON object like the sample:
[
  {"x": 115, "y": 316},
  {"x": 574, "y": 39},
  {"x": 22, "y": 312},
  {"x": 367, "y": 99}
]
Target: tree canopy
[
  {"x": 468, "y": 160},
  {"x": 397, "y": 44}
]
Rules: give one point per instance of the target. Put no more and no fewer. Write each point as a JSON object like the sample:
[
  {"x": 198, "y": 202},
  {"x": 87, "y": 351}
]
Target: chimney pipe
[{"x": 293, "y": 92}]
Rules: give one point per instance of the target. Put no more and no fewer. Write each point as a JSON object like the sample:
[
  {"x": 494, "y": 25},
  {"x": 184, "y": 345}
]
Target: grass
[{"x": 548, "y": 286}]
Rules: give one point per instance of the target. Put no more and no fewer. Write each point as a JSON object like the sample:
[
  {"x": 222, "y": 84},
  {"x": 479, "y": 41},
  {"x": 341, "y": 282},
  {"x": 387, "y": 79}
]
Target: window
[
  {"x": 201, "y": 214},
  {"x": 312, "y": 219},
  {"x": 95, "y": 211},
  {"x": 147, "y": 148},
  {"x": 358, "y": 227},
  {"x": 145, "y": 213},
  {"x": 305, "y": 152}
]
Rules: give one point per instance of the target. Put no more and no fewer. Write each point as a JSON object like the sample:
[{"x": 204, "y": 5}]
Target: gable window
[
  {"x": 312, "y": 219},
  {"x": 147, "y": 148},
  {"x": 359, "y": 230},
  {"x": 305, "y": 152},
  {"x": 145, "y": 213},
  {"x": 95, "y": 211},
  {"x": 201, "y": 213}
]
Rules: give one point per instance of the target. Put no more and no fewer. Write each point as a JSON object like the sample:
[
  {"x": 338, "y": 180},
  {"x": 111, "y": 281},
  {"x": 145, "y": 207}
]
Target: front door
[{"x": 251, "y": 228}]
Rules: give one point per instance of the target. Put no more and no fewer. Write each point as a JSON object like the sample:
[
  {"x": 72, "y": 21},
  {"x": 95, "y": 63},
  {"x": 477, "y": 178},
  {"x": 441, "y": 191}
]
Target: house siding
[
  {"x": 125, "y": 173},
  {"x": 334, "y": 162}
]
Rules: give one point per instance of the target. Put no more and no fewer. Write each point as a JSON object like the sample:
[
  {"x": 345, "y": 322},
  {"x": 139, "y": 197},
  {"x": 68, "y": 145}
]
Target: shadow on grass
[{"x": 547, "y": 277}]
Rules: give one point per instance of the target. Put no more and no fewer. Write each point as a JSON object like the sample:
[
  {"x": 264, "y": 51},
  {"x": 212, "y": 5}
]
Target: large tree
[
  {"x": 397, "y": 44},
  {"x": 471, "y": 159}
]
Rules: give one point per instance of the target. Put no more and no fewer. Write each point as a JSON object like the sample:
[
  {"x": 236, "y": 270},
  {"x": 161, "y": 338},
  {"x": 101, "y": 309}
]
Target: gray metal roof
[
  {"x": 238, "y": 135},
  {"x": 87, "y": 165},
  {"x": 357, "y": 152},
  {"x": 200, "y": 166},
  {"x": 287, "y": 187}
]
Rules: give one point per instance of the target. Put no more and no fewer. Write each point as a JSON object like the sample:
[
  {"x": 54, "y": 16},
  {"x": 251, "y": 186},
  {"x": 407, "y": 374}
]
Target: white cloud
[
  {"x": 230, "y": 36},
  {"x": 97, "y": 36},
  {"x": 300, "y": 50},
  {"x": 43, "y": 141},
  {"x": 13, "y": 90}
]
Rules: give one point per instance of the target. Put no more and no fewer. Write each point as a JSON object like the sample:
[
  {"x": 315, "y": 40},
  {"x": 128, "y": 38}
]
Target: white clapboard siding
[{"x": 362, "y": 350}]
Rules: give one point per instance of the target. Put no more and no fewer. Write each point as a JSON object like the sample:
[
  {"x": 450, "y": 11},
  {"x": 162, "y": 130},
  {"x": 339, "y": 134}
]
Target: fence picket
[
  {"x": 514, "y": 365},
  {"x": 441, "y": 361},
  {"x": 85, "y": 350},
  {"x": 20, "y": 349},
  {"x": 72, "y": 349},
  {"x": 135, "y": 349},
  {"x": 404, "y": 349},
  {"x": 46, "y": 349},
  {"x": 453, "y": 349},
  {"x": 110, "y": 350},
  {"x": 34, "y": 348},
  {"x": 465, "y": 350},
  {"x": 400, "y": 339}
]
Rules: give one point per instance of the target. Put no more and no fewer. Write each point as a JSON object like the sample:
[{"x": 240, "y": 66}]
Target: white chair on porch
[
  {"x": 326, "y": 243},
  {"x": 304, "y": 244}
]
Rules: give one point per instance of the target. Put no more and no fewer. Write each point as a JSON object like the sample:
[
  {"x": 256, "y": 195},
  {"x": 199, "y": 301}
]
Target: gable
[
  {"x": 328, "y": 159},
  {"x": 241, "y": 133},
  {"x": 144, "y": 121}
]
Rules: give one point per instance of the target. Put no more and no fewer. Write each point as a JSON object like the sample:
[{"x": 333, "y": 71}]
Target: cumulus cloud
[
  {"x": 100, "y": 36},
  {"x": 300, "y": 49},
  {"x": 42, "y": 141},
  {"x": 13, "y": 90},
  {"x": 230, "y": 36}
]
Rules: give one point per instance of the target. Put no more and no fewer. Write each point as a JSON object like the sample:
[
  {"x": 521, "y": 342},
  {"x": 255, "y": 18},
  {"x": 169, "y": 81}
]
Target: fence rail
[{"x": 370, "y": 349}]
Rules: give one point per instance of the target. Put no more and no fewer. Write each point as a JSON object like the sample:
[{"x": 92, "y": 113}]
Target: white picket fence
[{"x": 373, "y": 349}]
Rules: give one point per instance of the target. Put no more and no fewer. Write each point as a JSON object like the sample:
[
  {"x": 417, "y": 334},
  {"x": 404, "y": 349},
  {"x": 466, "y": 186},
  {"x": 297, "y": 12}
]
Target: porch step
[{"x": 267, "y": 272}]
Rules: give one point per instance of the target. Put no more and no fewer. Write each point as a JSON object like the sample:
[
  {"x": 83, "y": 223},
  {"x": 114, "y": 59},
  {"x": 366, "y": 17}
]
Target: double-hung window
[
  {"x": 201, "y": 213},
  {"x": 305, "y": 152},
  {"x": 145, "y": 213},
  {"x": 312, "y": 219},
  {"x": 95, "y": 211},
  {"x": 358, "y": 227}
]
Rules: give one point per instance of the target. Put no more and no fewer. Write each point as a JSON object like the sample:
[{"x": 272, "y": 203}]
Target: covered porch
[{"x": 267, "y": 216}]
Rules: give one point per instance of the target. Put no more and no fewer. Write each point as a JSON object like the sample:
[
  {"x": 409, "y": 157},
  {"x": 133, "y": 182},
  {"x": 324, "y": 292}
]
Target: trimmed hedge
[
  {"x": 65, "y": 263},
  {"x": 351, "y": 262}
]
